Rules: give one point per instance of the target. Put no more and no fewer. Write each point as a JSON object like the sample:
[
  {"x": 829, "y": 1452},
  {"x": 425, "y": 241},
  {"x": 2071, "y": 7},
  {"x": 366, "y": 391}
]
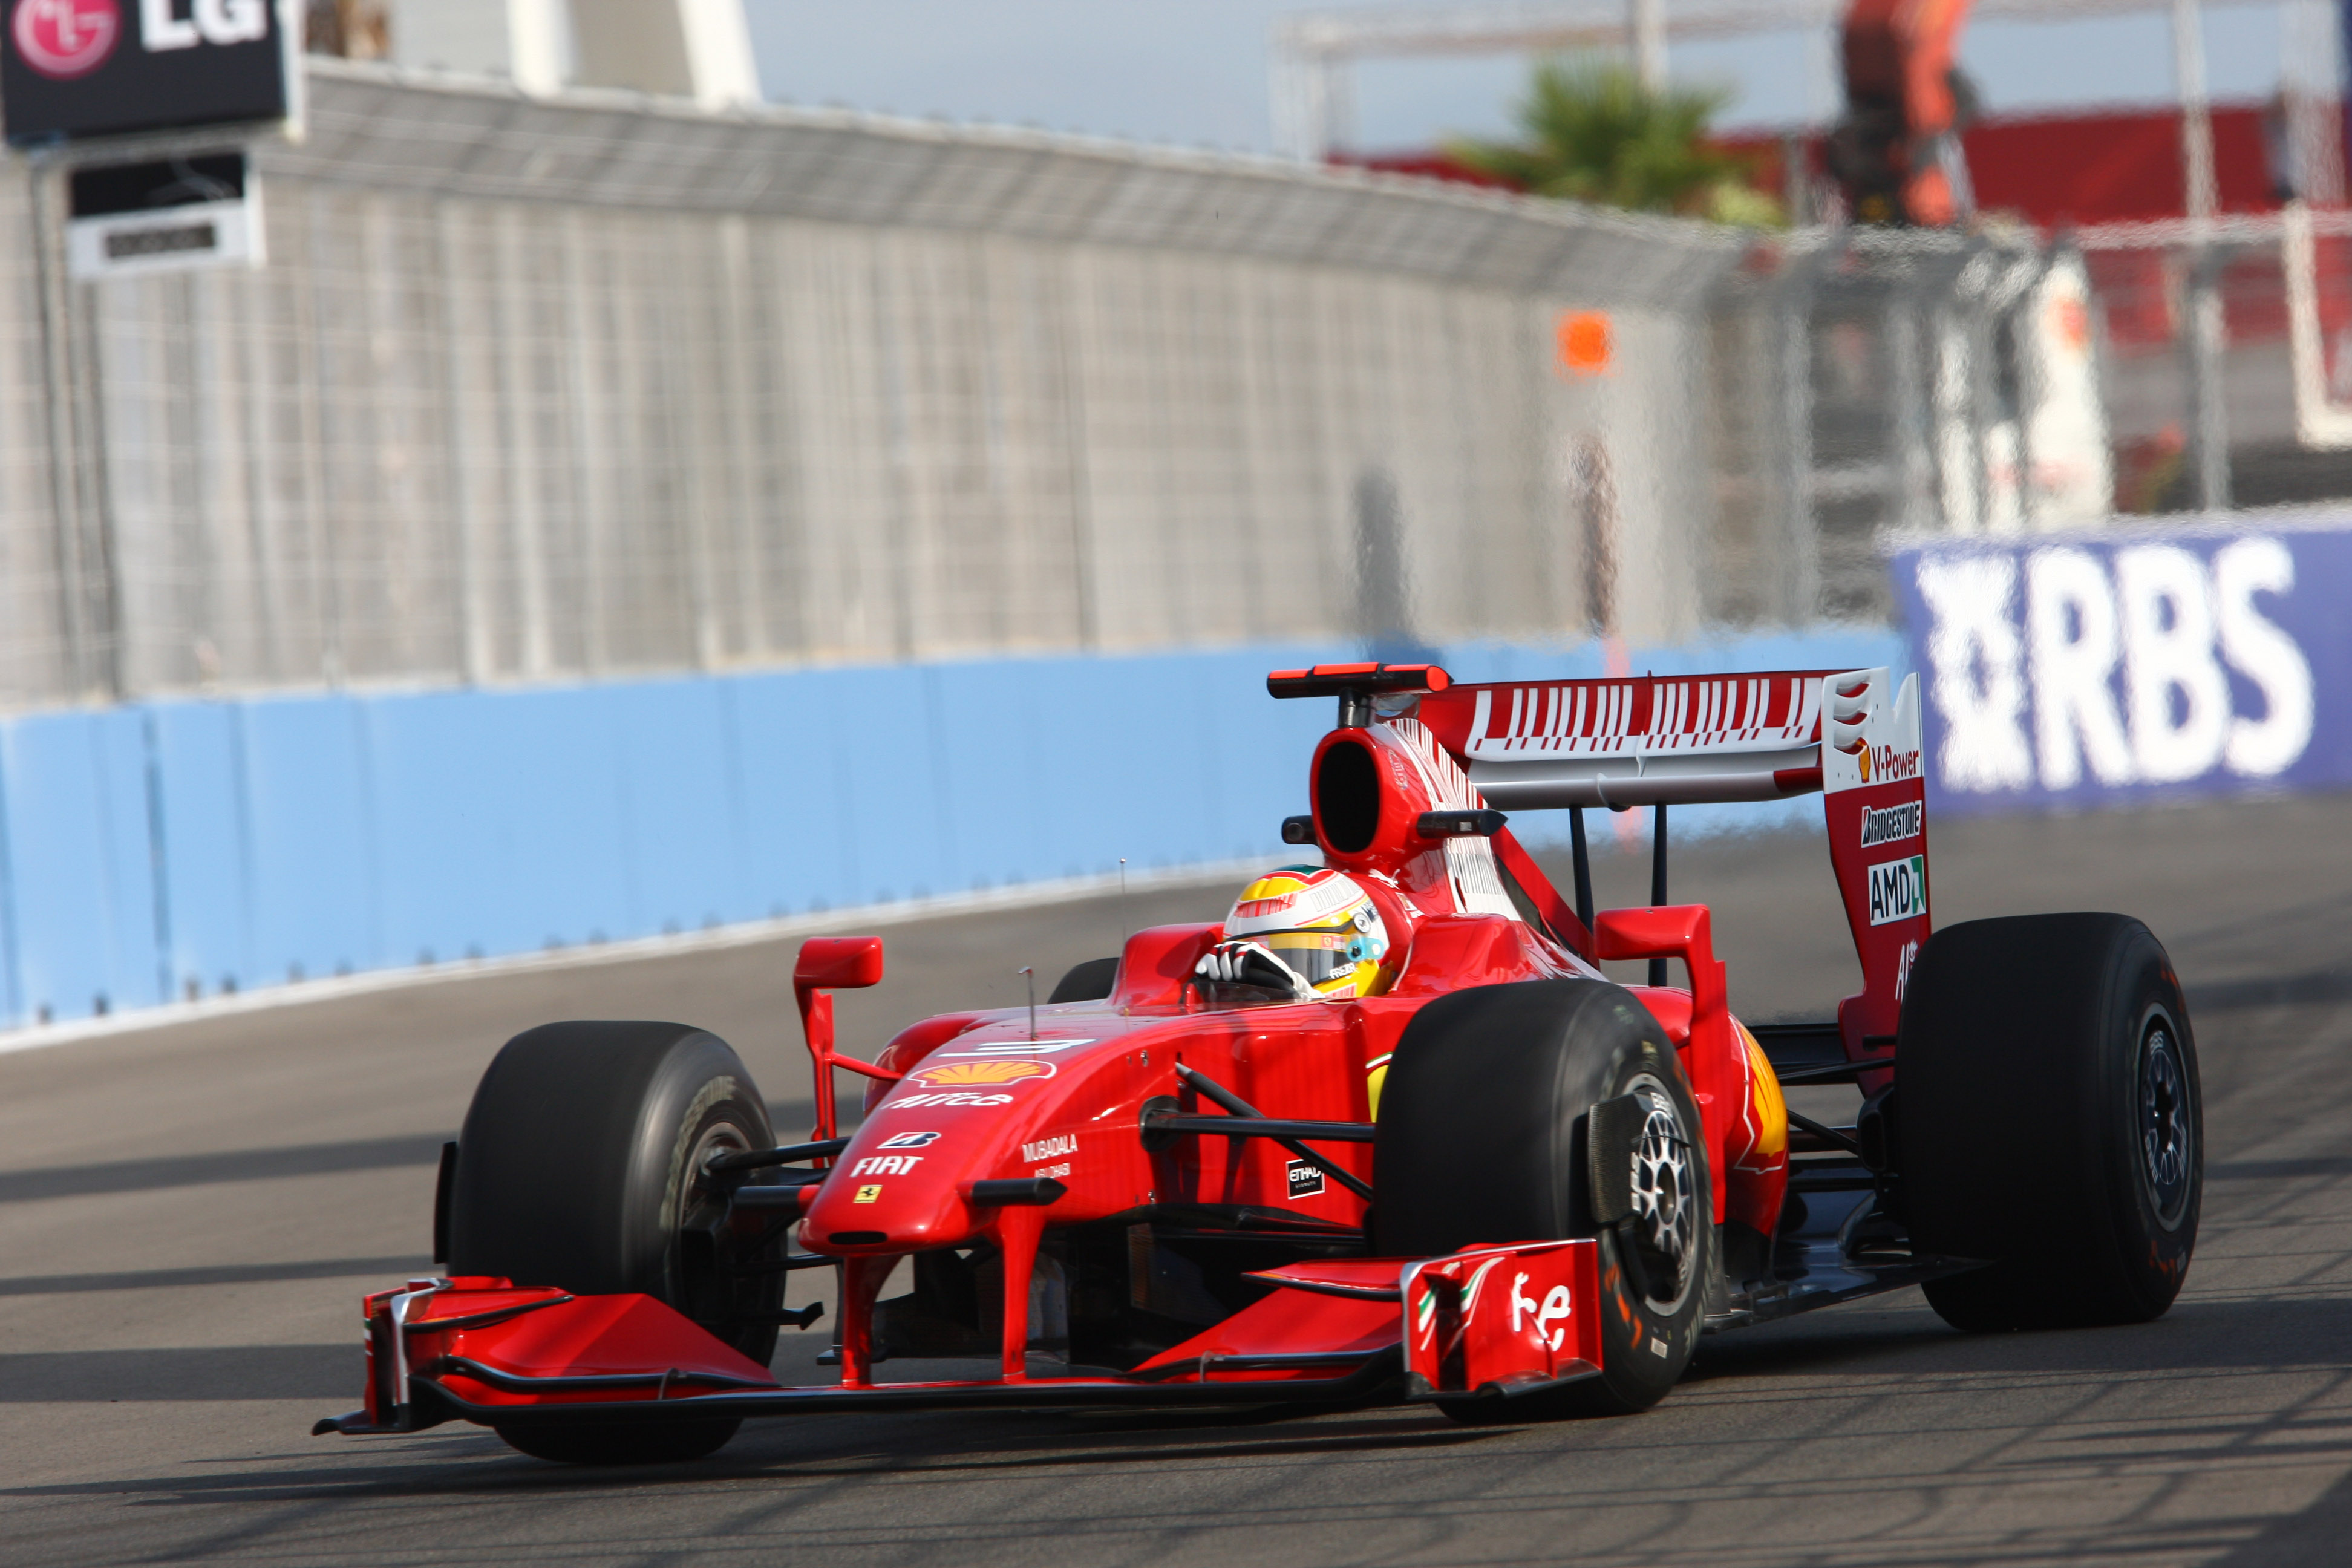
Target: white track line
[{"x": 750, "y": 933}]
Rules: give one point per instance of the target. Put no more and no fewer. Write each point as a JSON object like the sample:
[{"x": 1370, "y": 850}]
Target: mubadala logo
[
  {"x": 1897, "y": 822},
  {"x": 1051, "y": 1148},
  {"x": 1898, "y": 890}
]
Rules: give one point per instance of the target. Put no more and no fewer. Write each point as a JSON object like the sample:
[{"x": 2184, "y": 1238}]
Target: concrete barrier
[{"x": 168, "y": 849}]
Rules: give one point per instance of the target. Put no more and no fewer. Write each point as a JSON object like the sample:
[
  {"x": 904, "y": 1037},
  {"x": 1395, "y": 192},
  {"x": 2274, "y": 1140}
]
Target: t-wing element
[
  {"x": 1355, "y": 685},
  {"x": 1459, "y": 824},
  {"x": 1875, "y": 797},
  {"x": 830, "y": 964}
]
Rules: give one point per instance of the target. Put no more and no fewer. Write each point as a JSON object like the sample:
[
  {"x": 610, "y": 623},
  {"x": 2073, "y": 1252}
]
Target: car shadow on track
[
  {"x": 376, "y": 1271},
  {"x": 2196, "y": 1335},
  {"x": 466, "y": 1461},
  {"x": 329, "y": 1374},
  {"x": 175, "y": 1170}
]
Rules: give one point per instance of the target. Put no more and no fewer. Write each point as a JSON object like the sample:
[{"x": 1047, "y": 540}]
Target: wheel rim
[
  {"x": 2167, "y": 1127},
  {"x": 1664, "y": 1225},
  {"x": 701, "y": 1186},
  {"x": 708, "y": 1283}
]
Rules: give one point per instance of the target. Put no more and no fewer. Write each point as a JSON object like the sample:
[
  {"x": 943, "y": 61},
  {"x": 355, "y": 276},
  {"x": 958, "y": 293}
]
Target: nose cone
[
  {"x": 904, "y": 1183},
  {"x": 896, "y": 1200}
]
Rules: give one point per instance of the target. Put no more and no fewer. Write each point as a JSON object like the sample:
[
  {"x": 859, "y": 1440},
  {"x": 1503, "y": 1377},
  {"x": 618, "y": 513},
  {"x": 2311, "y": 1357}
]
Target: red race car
[{"x": 1385, "y": 1133}]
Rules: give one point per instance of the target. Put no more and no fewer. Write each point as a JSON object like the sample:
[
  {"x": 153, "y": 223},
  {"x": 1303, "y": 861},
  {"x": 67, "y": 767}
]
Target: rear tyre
[
  {"x": 1483, "y": 1138},
  {"x": 2050, "y": 1120},
  {"x": 581, "y": 1166}
]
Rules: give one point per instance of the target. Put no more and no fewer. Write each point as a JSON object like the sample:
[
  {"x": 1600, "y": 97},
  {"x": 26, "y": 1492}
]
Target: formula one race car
[{"x": 1386, "y": 1133}]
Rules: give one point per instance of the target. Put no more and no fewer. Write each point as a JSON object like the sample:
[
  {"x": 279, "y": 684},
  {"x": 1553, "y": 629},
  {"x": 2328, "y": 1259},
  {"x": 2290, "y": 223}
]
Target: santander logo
[{"x": 62, "y": 39}]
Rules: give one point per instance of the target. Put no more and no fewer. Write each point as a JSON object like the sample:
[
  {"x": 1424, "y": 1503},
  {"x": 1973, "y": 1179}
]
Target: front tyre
[
  {"x": 581, "y": 1166},
  {"x": 1484, "y": 1136},
  {"x": 2050, "y": 1120}
]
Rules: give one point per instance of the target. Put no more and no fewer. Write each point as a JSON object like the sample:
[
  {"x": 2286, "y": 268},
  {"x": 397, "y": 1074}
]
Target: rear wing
[
  {"x": 1660, "y": 741},
  {"x": 1640, "y": 741}
]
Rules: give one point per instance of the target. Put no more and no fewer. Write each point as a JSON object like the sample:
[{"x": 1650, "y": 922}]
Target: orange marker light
[{"x": 1585, "y": 344}]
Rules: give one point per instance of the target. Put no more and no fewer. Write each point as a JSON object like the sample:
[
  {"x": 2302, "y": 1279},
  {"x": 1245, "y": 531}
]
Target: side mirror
[{"x": 838, "y": 964}]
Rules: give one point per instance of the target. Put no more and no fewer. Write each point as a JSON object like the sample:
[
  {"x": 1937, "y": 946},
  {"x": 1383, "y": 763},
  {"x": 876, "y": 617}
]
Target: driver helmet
[{"x": 1320, "y": 923}]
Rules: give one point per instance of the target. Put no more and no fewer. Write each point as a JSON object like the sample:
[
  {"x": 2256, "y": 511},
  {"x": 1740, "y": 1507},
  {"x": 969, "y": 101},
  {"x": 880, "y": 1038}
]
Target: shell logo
[
  {"x": 1864, "y": 760},
  {"x": 964, "y": 1075}
]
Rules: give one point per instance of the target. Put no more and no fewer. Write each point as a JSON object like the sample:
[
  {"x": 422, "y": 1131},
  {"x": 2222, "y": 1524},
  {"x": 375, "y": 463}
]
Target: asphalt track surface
[{"x": 188, "y": 1216}]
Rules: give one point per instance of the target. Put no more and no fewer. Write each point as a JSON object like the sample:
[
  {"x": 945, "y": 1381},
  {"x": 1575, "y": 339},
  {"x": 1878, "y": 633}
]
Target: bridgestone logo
[
  {"x": 1898, "y": 890},
  {"x": 1894, "y": 823},
  {"x": 132, "y": 242}
]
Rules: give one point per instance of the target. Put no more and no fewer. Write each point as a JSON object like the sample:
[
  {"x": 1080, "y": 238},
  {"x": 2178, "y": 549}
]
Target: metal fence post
[
  {"x": 2209, "y": 404},
  {"x": 56, "y": 397}
]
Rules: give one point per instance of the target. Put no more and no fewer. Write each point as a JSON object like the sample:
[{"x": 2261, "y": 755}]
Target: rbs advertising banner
[{"x": 2095, "y": 670}]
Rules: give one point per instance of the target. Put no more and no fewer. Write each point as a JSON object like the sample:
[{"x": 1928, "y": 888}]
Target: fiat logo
[{"x": 63, "y": 39}]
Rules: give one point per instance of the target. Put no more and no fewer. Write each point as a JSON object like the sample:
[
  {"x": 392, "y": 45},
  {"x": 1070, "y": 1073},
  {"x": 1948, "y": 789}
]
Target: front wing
[{"x": 1491, "y": 1320}]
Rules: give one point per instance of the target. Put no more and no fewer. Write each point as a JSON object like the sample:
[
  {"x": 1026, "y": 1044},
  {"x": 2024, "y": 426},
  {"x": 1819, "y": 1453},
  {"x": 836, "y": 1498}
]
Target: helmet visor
[{"x": 1319, "y": 957}]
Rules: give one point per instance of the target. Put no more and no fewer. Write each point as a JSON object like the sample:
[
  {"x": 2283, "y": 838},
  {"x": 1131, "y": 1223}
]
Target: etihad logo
[{"x": 965, "y": 1075}]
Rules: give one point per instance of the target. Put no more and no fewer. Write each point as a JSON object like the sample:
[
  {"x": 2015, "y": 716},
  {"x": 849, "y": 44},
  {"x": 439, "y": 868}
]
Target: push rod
[
  {"x": 760, "y": 1158},
  {"x": 1213, "y": 1089},
  {"x": 1261, "y": 1127},
  {"x": 1583, "y": 860},
  {"x": 1829, "y": 1135},
  {"x": 1657, "y": 879},
  {"x": 1839, "y": 1072}
]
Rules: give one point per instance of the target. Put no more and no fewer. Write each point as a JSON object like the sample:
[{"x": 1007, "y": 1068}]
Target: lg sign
[
  {"x": 65, "y": 38},
  {"x": 2072, "y": 669},
  {"x": 74, "y": 68},
  {"x": 208, "y": 22}
]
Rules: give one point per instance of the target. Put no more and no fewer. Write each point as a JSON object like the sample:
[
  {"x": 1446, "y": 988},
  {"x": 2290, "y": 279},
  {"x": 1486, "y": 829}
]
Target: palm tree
[{"x": 1593, "y": 133}]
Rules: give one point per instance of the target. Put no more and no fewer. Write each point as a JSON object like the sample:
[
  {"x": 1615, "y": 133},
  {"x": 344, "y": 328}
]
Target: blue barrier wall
[{"x": 163, "y": 849}]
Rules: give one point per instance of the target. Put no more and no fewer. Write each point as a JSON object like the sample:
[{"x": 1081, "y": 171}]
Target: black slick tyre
[
  {"x": 581, "y": 1166},
  {"x": 2050, "y": 1120},
  {"x": 1483, "y": 1136}
]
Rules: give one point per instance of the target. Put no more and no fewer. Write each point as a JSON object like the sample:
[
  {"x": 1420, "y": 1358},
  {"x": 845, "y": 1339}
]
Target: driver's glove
[{"x": 1251, "y": 963}]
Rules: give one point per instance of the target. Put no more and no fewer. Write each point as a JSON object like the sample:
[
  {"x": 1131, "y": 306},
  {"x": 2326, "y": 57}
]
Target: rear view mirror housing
[{"x": 838, "y": 964}]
